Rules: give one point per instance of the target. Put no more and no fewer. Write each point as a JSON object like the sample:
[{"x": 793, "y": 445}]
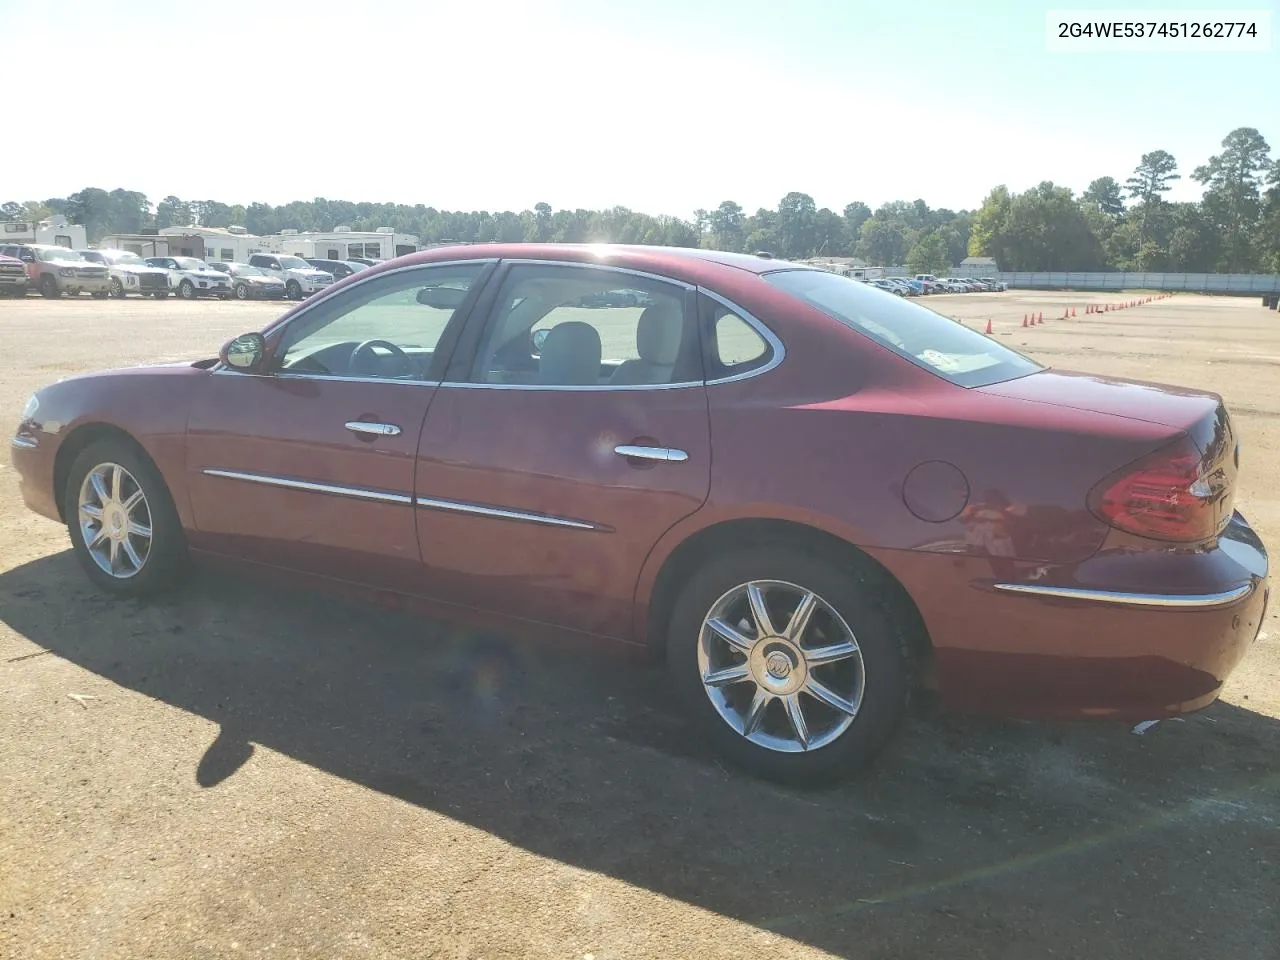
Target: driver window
[
  {"x": 569, "y": 326},
  {"x": 386, "y": 328}
]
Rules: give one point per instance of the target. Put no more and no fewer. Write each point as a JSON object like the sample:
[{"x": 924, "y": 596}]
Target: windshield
[
  {"x": 190, "y": 263},
  {"x": 295, "y": 263},
  {"x": 50, "y": 254},
  {"x": 938, "y": 344},
  {"x": 244, "y": 270}
]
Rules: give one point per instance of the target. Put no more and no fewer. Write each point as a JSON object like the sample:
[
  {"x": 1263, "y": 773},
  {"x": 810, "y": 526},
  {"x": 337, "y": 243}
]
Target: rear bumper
[{"x": 1094, "y": 639}]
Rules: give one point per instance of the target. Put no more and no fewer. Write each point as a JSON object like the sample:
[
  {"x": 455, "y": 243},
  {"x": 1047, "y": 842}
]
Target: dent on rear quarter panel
[{"x": 151, "y": 404}]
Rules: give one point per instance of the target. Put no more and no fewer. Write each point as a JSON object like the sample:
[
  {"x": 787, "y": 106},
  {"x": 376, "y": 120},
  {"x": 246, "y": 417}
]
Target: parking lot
[{"x": 245, "y": 769}]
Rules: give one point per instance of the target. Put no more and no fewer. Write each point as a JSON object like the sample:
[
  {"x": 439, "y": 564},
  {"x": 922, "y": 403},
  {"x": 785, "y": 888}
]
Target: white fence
[{"x": 1237, "y": 283}]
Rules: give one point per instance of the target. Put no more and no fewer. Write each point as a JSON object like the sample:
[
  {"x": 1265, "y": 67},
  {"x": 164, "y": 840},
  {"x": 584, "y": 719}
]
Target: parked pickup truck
[
  {"x": 13, "y": 277},
  {"x": 56, "y": 270}
]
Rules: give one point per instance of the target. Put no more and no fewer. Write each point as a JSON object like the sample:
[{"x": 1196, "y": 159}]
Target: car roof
[{"x": 636, "y": 256}]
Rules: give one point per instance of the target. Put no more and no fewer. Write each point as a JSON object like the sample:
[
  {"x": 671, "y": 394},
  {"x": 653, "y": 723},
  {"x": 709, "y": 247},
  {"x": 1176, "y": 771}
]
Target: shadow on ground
[{"x": 998, "y": 839}]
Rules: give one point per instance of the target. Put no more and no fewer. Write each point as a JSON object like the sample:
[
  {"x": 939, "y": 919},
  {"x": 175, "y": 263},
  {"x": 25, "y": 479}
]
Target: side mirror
[
  {"x": 539, "y": 337},
  {"x": 245, "y": 352}
]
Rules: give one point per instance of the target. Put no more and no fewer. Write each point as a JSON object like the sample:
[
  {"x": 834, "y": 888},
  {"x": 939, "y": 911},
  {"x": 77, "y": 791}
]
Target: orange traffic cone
[
  {"x": 1073, "y": 313},
  {"x": 1024, "y": 319},
  {"x": 1041, "y": 320},
  {"x": 988, "y": 327}
]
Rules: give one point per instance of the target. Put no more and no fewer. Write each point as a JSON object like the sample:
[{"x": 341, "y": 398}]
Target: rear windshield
[{"x": 929, "y": 340}]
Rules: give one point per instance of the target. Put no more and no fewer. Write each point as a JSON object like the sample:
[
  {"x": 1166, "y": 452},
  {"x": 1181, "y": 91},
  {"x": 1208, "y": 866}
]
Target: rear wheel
[
  {"x": 161, "y": 294},
  {"x": 124, "y": 528},
  {"x": 789, "y": 663},
  {"x": 101, "y": 295}
]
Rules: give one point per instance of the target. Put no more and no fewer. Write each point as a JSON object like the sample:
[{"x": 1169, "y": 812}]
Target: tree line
[{"x": 1234, "y": 227}]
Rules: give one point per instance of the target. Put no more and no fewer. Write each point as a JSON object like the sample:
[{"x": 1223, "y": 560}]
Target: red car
[{"x": 811, "y": 496}]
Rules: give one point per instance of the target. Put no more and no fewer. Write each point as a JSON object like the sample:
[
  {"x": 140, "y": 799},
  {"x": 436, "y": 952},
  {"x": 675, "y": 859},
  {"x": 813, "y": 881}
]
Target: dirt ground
[{"x": 248, "y": 770}]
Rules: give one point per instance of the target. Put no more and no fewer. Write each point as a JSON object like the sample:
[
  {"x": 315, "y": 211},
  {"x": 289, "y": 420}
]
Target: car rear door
[
  {"x": 546, "y": 474},
  {"x": 309, "y": 465}
]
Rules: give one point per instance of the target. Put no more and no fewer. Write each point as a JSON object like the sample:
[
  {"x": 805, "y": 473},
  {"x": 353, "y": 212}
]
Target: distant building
[
  {"x": 978, "y": 267},
  {"x": 55, "y": 231},
  {"x": 236, "y": 244}
]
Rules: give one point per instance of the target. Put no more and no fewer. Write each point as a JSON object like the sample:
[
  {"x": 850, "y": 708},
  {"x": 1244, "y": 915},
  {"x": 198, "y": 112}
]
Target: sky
[{"x": 663, "y": 106}]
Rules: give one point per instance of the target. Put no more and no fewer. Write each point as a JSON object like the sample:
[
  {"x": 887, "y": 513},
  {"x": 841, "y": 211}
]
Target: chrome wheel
[
  {"x": 115, "y": 520},
  {"x": 781, "y": 666}
]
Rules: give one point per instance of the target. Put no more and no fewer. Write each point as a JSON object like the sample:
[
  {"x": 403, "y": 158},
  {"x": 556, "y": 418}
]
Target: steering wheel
[{"x": 367, "y": 351}]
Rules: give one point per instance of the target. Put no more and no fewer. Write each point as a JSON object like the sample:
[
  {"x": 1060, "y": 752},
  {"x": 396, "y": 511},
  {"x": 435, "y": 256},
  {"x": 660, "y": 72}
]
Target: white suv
[
  {"x": 192, "y": 277},
  {"x": 300, "y": 278}
]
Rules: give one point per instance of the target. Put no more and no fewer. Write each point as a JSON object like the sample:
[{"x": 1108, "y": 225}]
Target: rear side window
[
  {"x": 929, "y": 340},
  {"x": 733, "y": 346}
]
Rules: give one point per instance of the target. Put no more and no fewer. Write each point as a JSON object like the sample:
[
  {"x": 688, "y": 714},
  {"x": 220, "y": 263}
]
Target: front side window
[
  {"x": 560, "y": 326},
  {"x": 385, "y": 329},
  {"x": 929, "y": 340}
]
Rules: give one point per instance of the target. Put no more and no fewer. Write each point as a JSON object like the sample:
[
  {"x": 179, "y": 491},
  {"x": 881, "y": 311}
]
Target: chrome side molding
[
  {"x": 402, "y": 499},
  {"x": 1167, "y": 600},
  {"x": 334, "y": 489},
  {"x": 499, "y": 513}
]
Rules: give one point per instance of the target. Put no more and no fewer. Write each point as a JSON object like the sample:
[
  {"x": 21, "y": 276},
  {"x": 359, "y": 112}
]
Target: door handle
[
  {"x": 376, "y": 429},
  {"x": 663, "y": 454}
]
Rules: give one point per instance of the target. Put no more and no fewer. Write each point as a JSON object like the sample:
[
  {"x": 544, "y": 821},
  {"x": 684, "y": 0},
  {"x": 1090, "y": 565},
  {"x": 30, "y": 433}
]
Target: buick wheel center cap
[
  {"x": 116, "y": 522},
  {"x": 778, "y": 664}
]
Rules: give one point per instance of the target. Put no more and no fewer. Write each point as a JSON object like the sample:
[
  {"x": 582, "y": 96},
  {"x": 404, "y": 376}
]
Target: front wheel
[
  {"x": 49, "y": 288},
  {"x": 242, "y": 291},
  {"x": 117, "y": 288},
  {"x": 187, "y": 290},
  {"x": 293, "y": 290},
  {"x": 789, "y": 663},
  {"x": 124, "y": 527}
]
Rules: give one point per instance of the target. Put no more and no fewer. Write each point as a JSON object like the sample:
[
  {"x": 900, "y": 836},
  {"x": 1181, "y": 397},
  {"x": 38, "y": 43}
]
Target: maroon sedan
[{"x": 811, "y": 496}]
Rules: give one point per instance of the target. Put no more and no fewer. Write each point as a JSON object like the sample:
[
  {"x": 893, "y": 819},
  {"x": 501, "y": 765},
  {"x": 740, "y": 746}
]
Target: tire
[
  {"x": 163, "y": 556},
  {"x": 161, "y": 295},
  {"x": 293, "y": 290},
  {"x": 101, "y": 295},
  {"x": 117, "y": 288},
  {"x": 49, "y": 288},
  {"x": 875, "y": 681},
  {"x": 242, "y": 291},
  {"x": 187, "y": 290}
]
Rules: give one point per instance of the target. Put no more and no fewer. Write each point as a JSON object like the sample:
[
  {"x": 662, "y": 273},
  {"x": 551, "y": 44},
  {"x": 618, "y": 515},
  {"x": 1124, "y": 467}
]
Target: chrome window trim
[
  {"x": 310, "y": 486},
  {"x": 328, "y": 292},
  {"x": 1166, "y": 600},
  {"x": 499, "y": 513},
  {"x": 771, "y": 338},
  {"x": 324, "y": 376}
]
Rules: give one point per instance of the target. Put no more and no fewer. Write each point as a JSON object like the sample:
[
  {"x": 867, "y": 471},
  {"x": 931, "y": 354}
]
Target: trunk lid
[{"x": 1134, "y": 399}]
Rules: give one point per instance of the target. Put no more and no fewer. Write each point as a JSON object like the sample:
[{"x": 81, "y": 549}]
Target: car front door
[
  {"x": 309, "y": 463},
  {"x": 570, "y": 434}
]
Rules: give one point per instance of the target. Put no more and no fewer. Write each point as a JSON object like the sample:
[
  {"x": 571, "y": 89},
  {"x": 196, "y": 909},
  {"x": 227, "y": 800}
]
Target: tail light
[{"x": 1172, "y": 494}]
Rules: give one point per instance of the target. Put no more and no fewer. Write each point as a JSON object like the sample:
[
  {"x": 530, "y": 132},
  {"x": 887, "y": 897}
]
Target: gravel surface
[{"x": 245, "y": 769}]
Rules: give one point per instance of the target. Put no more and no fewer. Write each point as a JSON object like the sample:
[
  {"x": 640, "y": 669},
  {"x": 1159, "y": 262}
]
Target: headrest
[{"x": 659, "y": 332}]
